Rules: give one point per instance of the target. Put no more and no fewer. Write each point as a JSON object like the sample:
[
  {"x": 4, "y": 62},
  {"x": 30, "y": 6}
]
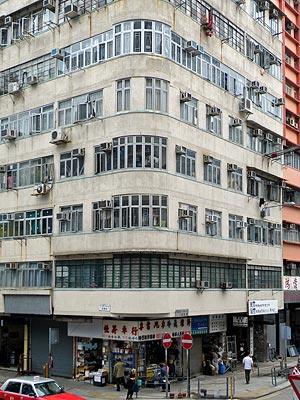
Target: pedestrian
[
  {"x": 130, "y": 383},
  {"x": 118, "y": 373},
  {"x": 248, "y": 365},
  {"x": 51, "y": 363}
]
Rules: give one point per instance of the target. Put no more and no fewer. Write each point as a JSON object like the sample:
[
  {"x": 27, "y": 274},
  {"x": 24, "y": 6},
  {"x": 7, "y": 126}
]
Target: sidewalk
[{"x": 215, "y": 385}]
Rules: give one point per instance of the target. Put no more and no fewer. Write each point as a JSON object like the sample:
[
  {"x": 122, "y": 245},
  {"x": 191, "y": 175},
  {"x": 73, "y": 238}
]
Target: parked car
[{"x": 23, "y": 387}]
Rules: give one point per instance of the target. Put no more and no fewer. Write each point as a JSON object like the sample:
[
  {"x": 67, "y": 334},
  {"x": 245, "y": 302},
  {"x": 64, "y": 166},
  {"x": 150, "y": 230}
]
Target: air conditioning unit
[
  {"x": 10, "y": 134},
  {"x": 251, "y": 174},
  {"x": 258, "y": 48},
  {"x": 44, "y": 266},
  {"x": 2, "y": 168},
  {"x": 290, "y": 121},
  {"x": 279, "y": 102},
  {"x": 71, "y": 11},
  {"x": 212, "y": 219},
  {"x": 292, "y": 226},
  {"x": 246, "y": 105},
  {"x": 237, "y": 122},
  {"x": 258, "y": 133},
  {"x": 271, "y": 225},
  {"x": 49, "y": 4},
  {"x": 273, "y": 60},
  {"x": 263, "y": 5},
  {"x": 185, "y": 96},
  {"x": 278, "y": 140},
  {"x": 241, "y": 224},
  {"x": 226, "y": 285},
  {"x": 64, "y": 216},
  {"x": 251, "y": 221},
  {"x": 202, "y": 284},
  {"x": 263, "y": 89},
  {"x": 57, "y": 53},
  {"x": 32, "y": 80},
  {"x": 255, "y": 85},
  {"x": 13, "y": 265},
  {"x": 13, "y": 87},
  {"x": 105, "y": 204},
  {"x": 8, "y": 20},
  {"x": 106, "y": 147},
  {"x": 296, "y": 125},
  {"x": 291, "y": 265},
  {"x": 273, "y": 14},
  {"x": 208, "y": 159},
  {"x": 289, "y": 26},
  {"x": 182, "y": 213},
  {"x": 180, "y": 150},
  {"x": 191, "y": 46},
  {"x": 41, "y": 189},
  {"x": 78, "y": 153},
  {"x": 269, "y": 137},
  {"x": 58, "y": 136},
  {"x": 232, "y": 167},
  {"x": 213, "y": 111},
  {"x": 277, "y": 226}
]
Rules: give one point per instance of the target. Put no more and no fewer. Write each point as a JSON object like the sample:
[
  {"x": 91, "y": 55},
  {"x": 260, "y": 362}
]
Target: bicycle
[{"x": 272, "y": 354}]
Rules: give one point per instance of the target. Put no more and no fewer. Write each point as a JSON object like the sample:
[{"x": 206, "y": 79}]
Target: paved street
[{"x": 217, "y": 386}]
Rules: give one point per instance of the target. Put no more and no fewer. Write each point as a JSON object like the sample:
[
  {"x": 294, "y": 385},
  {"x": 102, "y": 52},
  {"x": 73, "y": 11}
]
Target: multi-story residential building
[
  {"x": 291, "y": 155},
  {"x": 138, "y": 190}
]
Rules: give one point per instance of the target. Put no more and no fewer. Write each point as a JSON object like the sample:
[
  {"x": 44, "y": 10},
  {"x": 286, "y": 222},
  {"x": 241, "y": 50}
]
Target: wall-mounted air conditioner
[
  {"x": 208, "y": 159},
  {"x": 105, "y": 204},
  {"x": 41, "y": 189},
  {"x": 213, "y": 111},
  {"x": 273, "y": 60},
  {"x": 226, "y": 285},
  {"x": 232, "y": 167},
  {"x": 64, "y": 216},
  {"x": 8, "y": 20},
  {"x": 180, "y": 150},
  {"x": 2, "y": 168},
  {"x": 269, "y": 137},
  {"x": 278, "y": 140},
  {"x": 251, "y": 221},
  {"x": 237, "y": 122},
  {"x": 106, "y": 147},
  {"x": 273, "y": 14},
  {"x": 263, "y": 89},
  {"x": 202, "y": 284},
  {"x": 258, "y": 133},
  {"x": 212, "y": 219},
  {"x": 71, "y": 11},
  {"x": 44, "y": 265},
  {"x": 291, "y": 265},
  {"x": 13, "y": 87},
  {"x": 32, "y": 80},
  {"x": 49, "y": 4},
  {"x": 255, "y": 85},
  {"x": 13, "y": 265},
  {"x": 57, "y": 53},
  {"x": 263, "y": 5},
  {"x": 279, "y": 102},
  {"x": 79, "y": 153},
  {"x": 258, "y": 48},
  {"x": 58, "y": 136},
  {"x": 191, "y": 46},
  {"x": 251, "y": 174},
  {"x": 246, "y": 105},
  {"x": 9, "y": 134},
  {"x": 241, "y": 224},
  {"x": 185, "y": 97},
  {"x": 289, "y": 26}
]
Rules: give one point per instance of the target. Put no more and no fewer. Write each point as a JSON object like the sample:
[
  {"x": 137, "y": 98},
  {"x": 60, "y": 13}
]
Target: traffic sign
[
  {"x": 295, "y": 382},
  {"x": 167, "y": 340},
  {"x": 186, "y": 340}
]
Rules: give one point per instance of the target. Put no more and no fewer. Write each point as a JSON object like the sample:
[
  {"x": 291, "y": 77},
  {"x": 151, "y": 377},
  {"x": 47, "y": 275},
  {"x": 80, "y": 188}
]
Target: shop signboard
[
  {"x": 263, "y": 307},
  {"x": 145, "y": 330},
  {"x": 199, "y": 325},
  {"x": 291, "y": 283},
  {"x": 217, "y": 323},
  {"x": 241, "y": 322}
]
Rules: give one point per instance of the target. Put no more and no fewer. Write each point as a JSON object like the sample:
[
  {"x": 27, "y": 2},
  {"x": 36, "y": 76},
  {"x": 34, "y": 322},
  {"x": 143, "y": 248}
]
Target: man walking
[
  {"x": 248, "y": 364},
  {"x": 119, "y": 373}
]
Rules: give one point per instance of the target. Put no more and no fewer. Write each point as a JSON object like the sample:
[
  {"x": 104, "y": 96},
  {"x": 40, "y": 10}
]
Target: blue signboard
[{"x": 199, "y": 325}]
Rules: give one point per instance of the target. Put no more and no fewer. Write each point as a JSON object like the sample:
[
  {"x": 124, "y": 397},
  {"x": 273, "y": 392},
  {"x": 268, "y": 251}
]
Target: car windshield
[{"x": 48, "y": 388}]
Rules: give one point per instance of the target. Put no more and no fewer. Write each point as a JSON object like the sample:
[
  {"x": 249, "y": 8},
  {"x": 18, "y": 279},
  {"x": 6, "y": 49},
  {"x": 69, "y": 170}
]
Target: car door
[
  {"x": 27, "y": 390},
  {"x": 12, "y": 391}
]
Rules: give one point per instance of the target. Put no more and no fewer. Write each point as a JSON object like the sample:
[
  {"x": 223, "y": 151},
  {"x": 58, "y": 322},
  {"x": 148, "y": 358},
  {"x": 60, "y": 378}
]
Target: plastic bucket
[{"x": 222, "y": 369}]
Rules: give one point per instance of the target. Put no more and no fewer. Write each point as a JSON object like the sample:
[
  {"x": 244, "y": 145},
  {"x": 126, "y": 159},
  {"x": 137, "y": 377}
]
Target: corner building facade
[{"x": 138, "y": 195}]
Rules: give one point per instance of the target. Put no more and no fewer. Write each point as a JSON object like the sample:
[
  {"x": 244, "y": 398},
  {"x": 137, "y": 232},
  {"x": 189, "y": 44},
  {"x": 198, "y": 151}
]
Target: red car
[{"x": 24, "y": 387}]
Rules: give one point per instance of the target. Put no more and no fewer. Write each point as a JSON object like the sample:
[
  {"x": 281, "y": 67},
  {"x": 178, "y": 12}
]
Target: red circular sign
[
  {"x": 167, "y": 340},
  {"x": 186, "y": 341}
]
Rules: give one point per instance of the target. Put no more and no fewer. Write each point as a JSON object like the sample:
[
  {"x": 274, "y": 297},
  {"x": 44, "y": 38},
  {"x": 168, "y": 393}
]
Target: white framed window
[
  {"x": 123, "y": 95},
  {"x": 189, "y": 111},
  {"x": 71, "y": 164},
  {"x": 213, "y": 122},
  {"x": 213, "y": 221},
  {"x": 236, "y": 227},
  {"x": 187, "y": 217},
  {"x": 157, "y": 94},
  {"x": 234, "y": 177},
  {"x": 212, "y": 170},
  {"x": 185, "y": 161},
  {"x": 236, "y": 130},
  {"x": 74, "y": 221}
]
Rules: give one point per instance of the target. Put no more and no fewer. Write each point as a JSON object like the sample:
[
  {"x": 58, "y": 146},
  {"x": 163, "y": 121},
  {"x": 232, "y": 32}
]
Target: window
[
  {"x": 185, "y": 161},
  {"x": 13, "y": 387},
  {"x": 140, "y": 210},
  {"x": 213, "y": 120},
  {"x": 254, "y": 184},
  {"x": 102, "y": 215},
  {"x": 72, "y": 219},
  {"x": 187, "y": 218},
  {"x": 123, "y": 95},
  {"x": 213, "y": 223},
  {"x": 26, "y": 223},
  {"x": 272, "y": 191},
  {"x": 72, "y": 163},
  {"x": 260, "y": 277},
  {"x": 131, "y": 152},
  {"x": 80, "y": 108},
  {"x": 234, "y": 177},
  {"x": 189, "y": 111},
  {"x": 212, "y": 170},
  {"x": 255, "y": 138},
  {"x": 236, "y": 227},
  {"x": 157, "y": 94},
  {"x": 236, "y": 130}
]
